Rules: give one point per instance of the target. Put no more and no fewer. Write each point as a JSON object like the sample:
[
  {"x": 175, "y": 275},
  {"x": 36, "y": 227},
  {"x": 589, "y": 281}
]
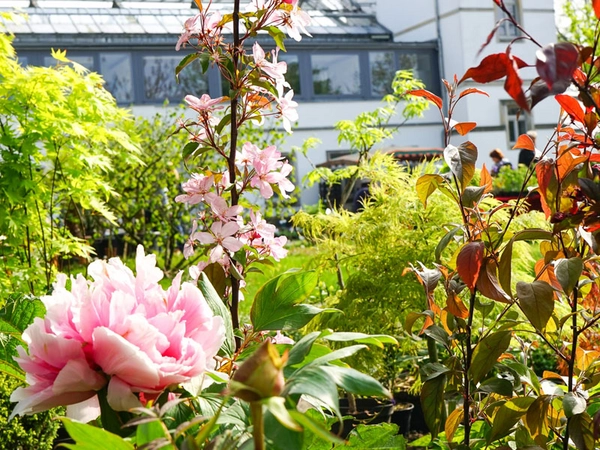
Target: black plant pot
[
  {"x": 401, "y": 415},
  {"x": 368, "y": 411},
  {"x": 417, "y": 419}
]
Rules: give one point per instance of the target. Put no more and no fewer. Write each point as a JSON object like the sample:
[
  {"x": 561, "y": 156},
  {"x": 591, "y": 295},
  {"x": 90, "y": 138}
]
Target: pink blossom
[
  {"x": 190, "y": 27},
  {"x": 275, "y": 70},
  {"x": 188, "y": 247},
  {"x": 288, "y": 110},
  {"x": 204, "y": 103},
  {"x": 121, "y": 329},
  {"x": 296, "y": 23},
  {"x": 279, "y": 338},
  {"x": 222, "y": 211},
  {"x": 291, "y": 2},
  {"x": 197, "y": 189},
  {"x": 261, "y": 227},
  {"x": 222, "y": 235},
  {"x": 274, "y": 247}
]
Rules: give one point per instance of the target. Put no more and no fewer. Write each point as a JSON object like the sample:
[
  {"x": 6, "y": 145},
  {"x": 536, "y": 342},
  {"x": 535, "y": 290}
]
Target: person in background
[
  {"x": 526, "y": 156},
  {"x": 500, "y": 161}
]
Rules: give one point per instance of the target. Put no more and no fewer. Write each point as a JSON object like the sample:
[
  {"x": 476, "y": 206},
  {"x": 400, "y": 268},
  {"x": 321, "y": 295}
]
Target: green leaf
[
  {"x": 537, "y": 302},
  {"x": 316, "y": 383},
  {"x": 18, "y": 313},
  {"x": 149, "y": 431},
  {"x": 184, "y": 62},
  {"x": 220, "y": 309},
  {"x": 444, "y": 243},
  {"x": 276, "y": 305},
  {"x": 302, "y": 348},
  {"x": 189, "y": 149},
  {"x": 497, "y": 386},
  {"x": 355, "y": 382},
  {"x": 505, "y": 263},
  {"x": 276, "y": 405},
  {"x": 311, "y": 425},
  {"x": 461, "y": 161},
  {"x": 472, "y": 195},
  {"x": 581, "y": 431},
  {"x": 567, "y": 273},
  {"x": 377, "y": 340},
  {"x": 337, "y": 354},
  {"x": 487, "y": 352},
  {"x": 277, "y": 35},
  {"x": 573, "y": 404},
  {"x": 379, "y": 436},
  {"x": 432, "y": 400},
  {"x": 508, "y": 415},
  {"x": 427, "y": 185},
  {"x": 88, "y": 437}
]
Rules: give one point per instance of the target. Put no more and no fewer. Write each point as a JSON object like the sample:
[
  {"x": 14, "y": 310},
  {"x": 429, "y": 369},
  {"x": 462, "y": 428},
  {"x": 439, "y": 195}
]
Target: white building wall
[{"x": 464, "y": 26}]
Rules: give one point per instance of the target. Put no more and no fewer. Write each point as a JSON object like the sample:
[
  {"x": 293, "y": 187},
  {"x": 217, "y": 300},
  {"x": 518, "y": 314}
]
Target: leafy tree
[{"x": 59, "y": 131}]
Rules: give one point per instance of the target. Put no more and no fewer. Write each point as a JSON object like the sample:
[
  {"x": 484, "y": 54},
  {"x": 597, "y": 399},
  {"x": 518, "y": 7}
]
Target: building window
[
  {"x": 422, "y": 66},
  {"x": 160, "y": 83},
  {"x": 517, "y": 122},
  {"x": 337, "y": 74},
  {"x": 116, "y": 70},
  {"x": 292, "y": 75},
  {"x": 382, "y": 67},
  {"x": 507, "y": 30}
]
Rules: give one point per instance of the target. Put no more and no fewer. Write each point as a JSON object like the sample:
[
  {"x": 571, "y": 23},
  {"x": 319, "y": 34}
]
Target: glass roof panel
[{"x": 74, "y": 4}]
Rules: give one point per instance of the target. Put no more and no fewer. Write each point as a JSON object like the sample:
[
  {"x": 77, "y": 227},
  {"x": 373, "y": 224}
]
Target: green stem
[{"x": 258, "y": 425}]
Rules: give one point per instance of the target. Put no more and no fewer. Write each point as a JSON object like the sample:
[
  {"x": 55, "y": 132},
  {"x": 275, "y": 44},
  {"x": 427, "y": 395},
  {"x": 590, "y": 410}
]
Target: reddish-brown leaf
[
  {"x": 591, "y": 120},
  {"x": 486, "y": 180},
  {"x": 488, "y": 283},
  {"x": 500, "y": 3},
  {"x": 472, "y": 91},
  {"x": 428, "y": 95},
  {"x": 469, "y": 261},
  {"x": 524, "y": 142},
  {"x": 566, "y": 163},
  {"x": 544, "y": 171},
  {"x": 579, "y": 76},
  {"x": 571, "y": 107},
  {"x": 456, "y": 307},
  {"x": 513, "y": 84},
  {"x": 596, "y": 6},
  {"x": 556, "y": 63},
  {"x": 492, "y": 67},
  {"x": 464, "y": 127}
]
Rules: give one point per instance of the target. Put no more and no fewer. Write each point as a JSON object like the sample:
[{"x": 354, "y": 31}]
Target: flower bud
[{"x": 261, "y": 375}]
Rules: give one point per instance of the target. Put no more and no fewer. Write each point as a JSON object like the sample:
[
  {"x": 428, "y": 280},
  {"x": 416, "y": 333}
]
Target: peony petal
[
  {"x": 120, "y": 396},
  {"x": 116, "y": 356},
  {"x": 85, "y": 411}
]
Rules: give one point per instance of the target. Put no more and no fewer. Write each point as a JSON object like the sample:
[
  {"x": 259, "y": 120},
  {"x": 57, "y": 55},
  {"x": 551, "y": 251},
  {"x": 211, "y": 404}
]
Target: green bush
[{"x": 35, "y": 432}]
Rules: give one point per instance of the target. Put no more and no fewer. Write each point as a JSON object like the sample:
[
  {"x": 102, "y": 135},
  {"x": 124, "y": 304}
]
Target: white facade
[{"x": 464, "y": 26}]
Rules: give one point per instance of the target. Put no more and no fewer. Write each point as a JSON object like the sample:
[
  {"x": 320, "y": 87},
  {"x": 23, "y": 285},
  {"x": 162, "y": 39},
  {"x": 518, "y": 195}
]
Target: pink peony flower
[{"x": 120, "y": 329}]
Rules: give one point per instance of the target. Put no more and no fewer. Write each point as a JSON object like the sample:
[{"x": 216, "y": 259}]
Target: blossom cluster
[
  {"x": 259, "y": 86},
  {"x": 120, "y": 331}
]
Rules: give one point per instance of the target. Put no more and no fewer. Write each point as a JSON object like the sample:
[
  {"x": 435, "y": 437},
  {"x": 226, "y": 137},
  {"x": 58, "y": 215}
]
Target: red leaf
[
  {"x": 571, "y": 107},
  {"x": 469, "y": 261},
  {"x": 524, "y": 142},
  {"x": 500, "y": 3},
  {"x": 596, "y": 6},
  {"x": 492, "y": 67},
  {"x": 464, "y": 127},
  {"x": 472, "y": 91},
  {"x": 556, "y": 63},
  {"x": 544, "y": 171},
  {"x": 456, "y": 307},
  {"x": 486, "y": 180},
  {"x": 428, "y": 95},
  {"x": 513, "y": 84}
]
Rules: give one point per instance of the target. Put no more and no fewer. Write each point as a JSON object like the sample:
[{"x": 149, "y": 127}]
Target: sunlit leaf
[
  {"x": 567, "y": 273},
  {"x": 487, "y": 352},
  {"x": 453, "y": 421},
  {"x": 537, "y": 302},
  {"x": 524, "y": 142},
  {"x": 492, "y": 67},
  {"x": 469, "y": 262},
  {"x": 428, "y": 95},
  {"x": 508, "y": 415},
  {"x": 571, "y": 106},
  {"x": 426, "y": 185}
]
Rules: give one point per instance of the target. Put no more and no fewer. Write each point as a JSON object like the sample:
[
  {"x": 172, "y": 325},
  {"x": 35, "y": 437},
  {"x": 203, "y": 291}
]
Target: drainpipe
[{"x": 439, "y": 44}]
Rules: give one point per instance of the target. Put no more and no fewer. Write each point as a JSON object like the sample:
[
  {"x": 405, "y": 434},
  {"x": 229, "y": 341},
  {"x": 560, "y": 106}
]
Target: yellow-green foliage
[
  {"x": 35, "y": 432},
  {"x": 59, "y": 131},
  {"x": 375, "y": 246}
]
